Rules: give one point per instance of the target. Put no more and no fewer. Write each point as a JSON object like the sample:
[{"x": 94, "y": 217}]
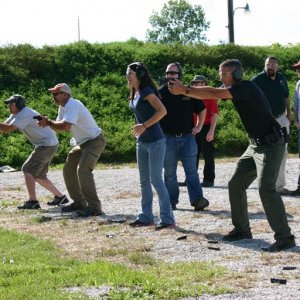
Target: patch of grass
[
  {"x": 102, "y": 166},
  {"x": 39, "y": 271},
  {"x": 40, "y": 219},
  {"x": 7, "y": 203},
  {"x": 141, "y": 258},
  {"x": 13, "y": 188},
  {"x": 110, "y": 252}
]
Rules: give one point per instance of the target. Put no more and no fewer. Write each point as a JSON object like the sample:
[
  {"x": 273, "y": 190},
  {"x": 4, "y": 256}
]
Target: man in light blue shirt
[{"x": 45, "y": 141}]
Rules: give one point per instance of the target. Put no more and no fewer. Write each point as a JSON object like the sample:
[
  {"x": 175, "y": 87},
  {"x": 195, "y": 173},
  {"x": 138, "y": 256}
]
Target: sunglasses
[
  {"x": 171, "y": 73},
  {"x": 55, "y": 94}
]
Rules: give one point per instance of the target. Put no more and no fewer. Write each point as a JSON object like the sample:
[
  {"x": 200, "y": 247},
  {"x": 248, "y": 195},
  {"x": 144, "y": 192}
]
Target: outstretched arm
[
  {"x": 201, "y": 92},
  {"x": 7, "y": 128}
]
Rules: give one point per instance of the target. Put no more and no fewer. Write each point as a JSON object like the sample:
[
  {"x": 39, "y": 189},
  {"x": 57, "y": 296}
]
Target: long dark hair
[{"x": 144, "y": 77}]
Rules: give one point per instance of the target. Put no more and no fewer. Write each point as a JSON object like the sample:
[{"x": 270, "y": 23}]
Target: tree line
[{"x": 96, "y": 74}]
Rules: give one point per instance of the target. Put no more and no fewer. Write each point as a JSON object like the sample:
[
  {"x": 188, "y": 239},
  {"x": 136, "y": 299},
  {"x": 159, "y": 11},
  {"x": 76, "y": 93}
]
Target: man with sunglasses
[
  {"x": 179, "y": 129},
  {"x": 88, "y": 144},
  {"x": 275, "y": 87}
]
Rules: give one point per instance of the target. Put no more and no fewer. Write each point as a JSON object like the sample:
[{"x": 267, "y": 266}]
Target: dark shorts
[{"x": 38, "y": 162}]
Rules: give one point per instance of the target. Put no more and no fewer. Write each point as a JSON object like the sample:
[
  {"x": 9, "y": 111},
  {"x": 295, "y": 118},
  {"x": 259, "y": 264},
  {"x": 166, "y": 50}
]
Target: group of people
[
  {"x": 87, "y": 144},
  {"x": 165, "y": 133},
  {"x": 263, "y": 157},
  {"x": 172, "y": 125}
]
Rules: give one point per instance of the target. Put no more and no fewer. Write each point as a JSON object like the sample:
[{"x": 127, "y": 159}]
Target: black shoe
[
  {"x": 161, "y": 226},
  {"x": 59, "y": 200},
  {"x": 71, "y": 208},
  {"x": 235, "y": 235},
  {"x": 182, "y": 183},
  {"x": 138, "y": 223},
  {"x": 30, "y": 204},
  {"x": 200, "y": 204},
  {"x": 207, "y": 183},
  {"x": 88, "y": 212},
  {"x": 173, "y": 206},
  {"x": 296, "y": 192},
  {"x": 285, "y": 192},
  {"x": 281, "y": 244}
]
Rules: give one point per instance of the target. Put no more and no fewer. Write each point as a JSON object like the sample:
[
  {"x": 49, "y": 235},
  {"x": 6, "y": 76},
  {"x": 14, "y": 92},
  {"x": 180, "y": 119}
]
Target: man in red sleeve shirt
[{"x": 205, "y": 138}]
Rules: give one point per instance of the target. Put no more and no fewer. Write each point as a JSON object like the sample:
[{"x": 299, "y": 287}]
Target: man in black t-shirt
[
  {"x": 179, "y": 129},
  {"x": 262, "y": 158}
]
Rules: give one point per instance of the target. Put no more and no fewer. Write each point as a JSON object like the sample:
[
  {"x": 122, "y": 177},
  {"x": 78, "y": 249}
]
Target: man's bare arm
[{"x": 202, "y": 92}]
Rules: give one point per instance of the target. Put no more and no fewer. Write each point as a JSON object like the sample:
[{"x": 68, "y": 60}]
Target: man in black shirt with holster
[{"x": 262, "y": 158}]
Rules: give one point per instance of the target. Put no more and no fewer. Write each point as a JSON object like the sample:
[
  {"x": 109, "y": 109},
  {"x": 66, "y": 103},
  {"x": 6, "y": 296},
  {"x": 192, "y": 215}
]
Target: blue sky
[{"x": 55, "y": 22}]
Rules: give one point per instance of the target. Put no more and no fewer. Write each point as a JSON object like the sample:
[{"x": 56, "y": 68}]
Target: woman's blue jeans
[{"x": 150, "y": 159}]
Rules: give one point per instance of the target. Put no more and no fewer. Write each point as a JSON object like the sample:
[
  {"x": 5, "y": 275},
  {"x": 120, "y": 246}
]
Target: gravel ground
[{"x": 120, "y": 195}]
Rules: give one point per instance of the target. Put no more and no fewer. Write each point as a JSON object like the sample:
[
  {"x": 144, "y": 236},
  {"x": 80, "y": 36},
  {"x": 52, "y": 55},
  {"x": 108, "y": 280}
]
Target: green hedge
[{"x": 96, "y": 73}]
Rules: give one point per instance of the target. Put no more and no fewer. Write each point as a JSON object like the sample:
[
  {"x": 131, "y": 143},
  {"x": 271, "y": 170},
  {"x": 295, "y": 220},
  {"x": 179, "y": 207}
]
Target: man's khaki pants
[{"x": 78, "y": 173}]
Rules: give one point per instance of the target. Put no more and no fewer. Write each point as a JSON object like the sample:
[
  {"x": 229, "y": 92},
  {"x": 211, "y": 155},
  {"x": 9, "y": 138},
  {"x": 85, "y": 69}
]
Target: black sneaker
[
  {"x": 235, "y": 235},
  {"x": 59, "y": 200},
  {"x": 138, "y": 223},
  {"x": 296, "y": 192},
  {"x": 285, "y": 192},
  {"x": 281, "y": 244},
  {"x": 30, "y": 204},
  {"x": 207, "y": 183},
  {"x": 200, "y": 204},
  {"x": 182, "y": 183},
  {"x": 161, "y": 226},
  {"x": 88, "y": 212},
  {"x": 70, "y": 208},
  {"x": 173, "y": 206}
]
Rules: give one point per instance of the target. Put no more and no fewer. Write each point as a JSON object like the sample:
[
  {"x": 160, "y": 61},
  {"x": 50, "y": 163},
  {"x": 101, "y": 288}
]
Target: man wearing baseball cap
[
  {"x": 205, "y": 138},
  {"x": 87, "y": 144},
  {"x": 296, "y": 66},
  {"x": 45, "y": 141}
]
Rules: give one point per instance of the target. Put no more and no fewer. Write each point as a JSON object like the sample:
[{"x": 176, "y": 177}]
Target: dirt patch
[{"x": 118, "y": 189}]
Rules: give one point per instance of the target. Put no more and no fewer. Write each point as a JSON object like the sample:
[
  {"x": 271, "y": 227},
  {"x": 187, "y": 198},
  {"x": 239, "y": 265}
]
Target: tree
[{"x": 178, "y": 21}]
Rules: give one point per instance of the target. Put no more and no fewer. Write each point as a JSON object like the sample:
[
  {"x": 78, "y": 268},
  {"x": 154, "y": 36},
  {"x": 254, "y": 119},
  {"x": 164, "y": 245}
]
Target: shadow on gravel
[
  {"x": 227, "y": 214},
  {"x": 187, "y": 231},
  {"x": 257, "y": 244}
]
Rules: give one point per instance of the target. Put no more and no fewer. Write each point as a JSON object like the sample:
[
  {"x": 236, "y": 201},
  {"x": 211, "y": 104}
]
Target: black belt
[
  {"x": 176, "y": 134},
  {"x": 267, "y": 139}
]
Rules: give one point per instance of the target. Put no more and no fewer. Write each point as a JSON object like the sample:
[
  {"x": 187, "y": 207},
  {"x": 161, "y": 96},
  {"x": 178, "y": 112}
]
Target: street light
[
  {"x": 231, "y": 12},
  {"x": 78, "y": 29}
]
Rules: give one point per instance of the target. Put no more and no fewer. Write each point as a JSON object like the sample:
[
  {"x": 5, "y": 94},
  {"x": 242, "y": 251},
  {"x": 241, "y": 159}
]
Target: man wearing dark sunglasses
[{"x": 179, "y": 129}]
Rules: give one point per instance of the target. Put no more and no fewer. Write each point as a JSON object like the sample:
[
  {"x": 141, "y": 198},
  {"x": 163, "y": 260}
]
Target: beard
[{"x": 271, "y": 72}]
